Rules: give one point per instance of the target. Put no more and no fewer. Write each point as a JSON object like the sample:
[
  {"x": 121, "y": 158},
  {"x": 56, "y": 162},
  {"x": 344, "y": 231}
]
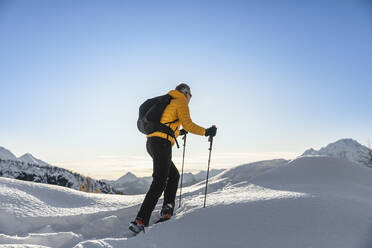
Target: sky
[{"x": 275, "y": 77}]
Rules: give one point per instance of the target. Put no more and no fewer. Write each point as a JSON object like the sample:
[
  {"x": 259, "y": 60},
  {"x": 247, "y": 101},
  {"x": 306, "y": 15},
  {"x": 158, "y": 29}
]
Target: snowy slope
[
  {"x": 28, "y": 158},
  {"x": 308, "y": 202},
  {"x": 39, "y": 213},
  {"x": 347, "y": 149},
  {"x": 6, "y": 154}
]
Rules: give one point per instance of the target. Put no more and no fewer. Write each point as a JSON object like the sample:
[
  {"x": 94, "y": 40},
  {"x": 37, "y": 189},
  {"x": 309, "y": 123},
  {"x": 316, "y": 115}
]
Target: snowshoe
[
  {"x": 137, "y": 226},
  {"x": 166, "y": 212},
  {"x": 162, "y": 219}
]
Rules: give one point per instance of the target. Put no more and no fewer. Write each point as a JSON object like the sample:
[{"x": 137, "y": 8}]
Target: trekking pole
[
  {"x": 183, "y": 162},
  {"x": 209, "y": 162}
]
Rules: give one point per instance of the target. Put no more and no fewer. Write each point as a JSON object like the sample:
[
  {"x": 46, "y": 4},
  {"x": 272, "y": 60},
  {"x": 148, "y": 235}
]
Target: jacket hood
[{"x": 176, "y": 94}]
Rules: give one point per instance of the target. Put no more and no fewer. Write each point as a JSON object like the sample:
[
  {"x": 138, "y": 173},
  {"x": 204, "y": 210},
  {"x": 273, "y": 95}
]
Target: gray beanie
[{"x": 183, "y": 88}]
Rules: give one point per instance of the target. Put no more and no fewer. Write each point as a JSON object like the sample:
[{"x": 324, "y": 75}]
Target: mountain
[
  {"x": 190, "y": 179},
  {"x": 311, "y": 201},
  {"x": 29, "y": 168},
  {"x": 346, "y": 149},
  {"x": 6, "y": 154},
  {"x": 202, "y": 175},
  {"x": 127, "y": 178},
  {"x": 130, "y": 184},
  {"x": 28, "y": 158}
]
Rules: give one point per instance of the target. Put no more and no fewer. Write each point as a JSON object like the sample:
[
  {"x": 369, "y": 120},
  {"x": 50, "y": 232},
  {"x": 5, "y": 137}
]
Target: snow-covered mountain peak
[
  {"x": 310, "y": 151},
  {"x": 129, "y": 177},
  {"x": 6, "y": 154},
  {"x": 347, "y": 149},
  {"x": 28, "y": 158},
  {"x": 344, "y": 144}
]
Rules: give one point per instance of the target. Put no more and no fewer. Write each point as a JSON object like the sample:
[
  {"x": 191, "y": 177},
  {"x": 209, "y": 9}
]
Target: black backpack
[{"x": 150, "y": 113}]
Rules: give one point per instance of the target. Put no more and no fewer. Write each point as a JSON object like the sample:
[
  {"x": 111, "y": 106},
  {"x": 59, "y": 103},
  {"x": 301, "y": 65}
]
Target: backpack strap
[
  {"x": 171, "y": 132},
  {"x": 171, "y": 122}
]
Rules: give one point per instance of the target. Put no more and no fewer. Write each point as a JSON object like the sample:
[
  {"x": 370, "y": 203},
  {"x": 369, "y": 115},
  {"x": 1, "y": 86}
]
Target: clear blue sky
[{"x": 276, "y": 77}]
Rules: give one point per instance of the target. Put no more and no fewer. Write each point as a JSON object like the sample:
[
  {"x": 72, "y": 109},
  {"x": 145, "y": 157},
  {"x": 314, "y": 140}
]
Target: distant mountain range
[
  {"x": 131, "y": 185},
  {"x": 345, "y": 149},
  {"x": 29, "y": 168}
]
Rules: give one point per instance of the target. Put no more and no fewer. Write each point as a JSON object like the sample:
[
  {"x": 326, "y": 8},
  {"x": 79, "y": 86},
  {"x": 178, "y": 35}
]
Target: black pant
[{"x": 165, "y": 177}]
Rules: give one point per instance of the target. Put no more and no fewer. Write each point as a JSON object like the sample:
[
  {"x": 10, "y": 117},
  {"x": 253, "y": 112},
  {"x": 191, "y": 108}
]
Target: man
[{"x": 159, "y": 146}]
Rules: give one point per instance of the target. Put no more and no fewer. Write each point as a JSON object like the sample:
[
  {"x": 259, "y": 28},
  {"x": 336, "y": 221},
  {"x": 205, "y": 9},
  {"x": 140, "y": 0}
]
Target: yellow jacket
[{"x": 178, "y": 109}]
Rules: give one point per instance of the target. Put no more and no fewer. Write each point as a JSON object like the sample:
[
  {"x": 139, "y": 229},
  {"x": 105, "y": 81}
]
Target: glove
[
  {"x": 183, "y": 132},
  {"x": 212, "y": 131}
]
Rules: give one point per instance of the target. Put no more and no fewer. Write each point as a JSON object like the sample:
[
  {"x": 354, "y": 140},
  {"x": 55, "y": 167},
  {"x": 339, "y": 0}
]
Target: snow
[
  {"x": 6, "y": 154},
  {"x": 127, "y": 178},
  {"x": 190, "y": 179},
  {"x": 30, "y": 168},
  {"x": 22, "y": 246},
  {"x": 65, "y": 239},
  {"x": 347, "y": 149},
  {"x": 312, "y": 201},
  {"x": 131, "y": 185},
  {"x": 28, "y": 158}
]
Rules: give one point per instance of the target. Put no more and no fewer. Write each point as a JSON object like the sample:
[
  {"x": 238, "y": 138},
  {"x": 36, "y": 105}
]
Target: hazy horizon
[{"x": 139, "y": 166}]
